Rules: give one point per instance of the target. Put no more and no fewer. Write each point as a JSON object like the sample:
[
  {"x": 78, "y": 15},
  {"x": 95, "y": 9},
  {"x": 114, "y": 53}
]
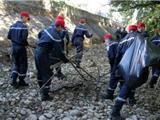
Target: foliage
[{"x": 148, "y": 12}]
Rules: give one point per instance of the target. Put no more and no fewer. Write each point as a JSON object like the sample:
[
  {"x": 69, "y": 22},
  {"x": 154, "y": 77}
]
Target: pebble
[
  {"x": 23, "y": 112},
  {"x": 68, "y": 104},
  {"x": 31, "y": 117},
  {"x": 42, "y": 117},
  {"x": 67, "y": 118},
  {"x": 133, "y": 117},
  {"x": 75, "y": 113},
  {"x": 48, "y": 115}
]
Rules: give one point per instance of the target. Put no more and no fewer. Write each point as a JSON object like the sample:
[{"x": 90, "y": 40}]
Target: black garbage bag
[{"x": 135, "y": 62}]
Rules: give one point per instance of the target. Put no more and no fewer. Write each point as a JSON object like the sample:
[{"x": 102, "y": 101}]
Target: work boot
[
  {"x": 46, "y": 97},
  {"x": 14, "y": 84},
  {"x": 22, "y": 82},
  {"x": 115, "y": 114},
  {"x": 131, "y": 101},
  {"x": 60, "y": 75},
  {"x": 107, "y": 96},
  {"x": 78, "y": 65},
  {"x": 14, "y": 80},
  {"x": 40, "y": 83}
]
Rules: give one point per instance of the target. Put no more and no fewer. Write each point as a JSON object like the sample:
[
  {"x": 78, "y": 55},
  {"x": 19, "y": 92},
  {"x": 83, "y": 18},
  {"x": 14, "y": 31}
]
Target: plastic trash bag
[{"x": 136, "y": 60}]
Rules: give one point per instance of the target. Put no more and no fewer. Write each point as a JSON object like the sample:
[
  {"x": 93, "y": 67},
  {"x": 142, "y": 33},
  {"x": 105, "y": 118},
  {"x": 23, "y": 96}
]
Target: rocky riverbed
[{"x": 74, "y": 98}]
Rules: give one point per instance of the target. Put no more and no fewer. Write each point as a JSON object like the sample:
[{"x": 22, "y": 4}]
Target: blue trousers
[
  {"x": 44, "y": 71},
  {"x": 20, "y": 65},
  {"x": 155, "y": 75},
  {"x": 113, "y": 81},
  {"x": 128, "y": 89},
  {"x": 78, "y": 43}
]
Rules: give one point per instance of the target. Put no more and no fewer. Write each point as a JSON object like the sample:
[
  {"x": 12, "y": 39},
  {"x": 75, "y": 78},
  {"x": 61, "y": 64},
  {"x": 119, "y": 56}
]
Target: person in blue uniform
[
  {"x": 49, "y": 40},
  {"x": 141, "y": 29},
  {"x": 64, "y": 44},
  {"x": 155, "y": 69},
  {"x": 125, "y": 90},
  {"x": 77, "y": 39},
  {"x": 123, "y": 32},
  {"x": 18, "y": 34},
  {"x": 111, "y": 47}
]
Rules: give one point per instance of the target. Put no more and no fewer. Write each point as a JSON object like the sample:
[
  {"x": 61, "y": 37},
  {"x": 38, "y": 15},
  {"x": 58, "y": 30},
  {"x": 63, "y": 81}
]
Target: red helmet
[
  {"x": 140, "y": 25},
  {"x": 60, "y": 22},
  {"x": 82, "y": 21},
  {"x": 24, "y": 14},
  {"x": 107, "y": 36},
  {"x": 60, "y": 17},
  {"x": 132, "y": 27}
]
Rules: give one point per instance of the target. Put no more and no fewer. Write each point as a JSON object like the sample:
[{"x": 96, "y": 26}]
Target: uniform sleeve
[
  {"x": 60, "y": 52},
  {"x": 87, "y": 34},
  {"x": 118, "y": 56},
  {"x": 146, "y": 34},
  {"x": 9, "y": 34},
  {"x": 40, "y": 34},
  {"x": 73, "y": 36},
  {"x": 25, "y": 36},
  {"x": 67, "y": 38}
]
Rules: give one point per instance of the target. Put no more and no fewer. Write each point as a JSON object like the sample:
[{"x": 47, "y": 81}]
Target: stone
[
  {"x": 42, "y": 117},
  {"x": 67, "y": 118},
  {"x": 48, "y": 115},
  {"x": 9, "y": 119},
  {"x": 75, "y": 113},
  {"x": 133, "y": 117},
  {"x": 23, "y": 112},
  {"x": 84, "y": 117},
  {"x": 31, "y": 117}
]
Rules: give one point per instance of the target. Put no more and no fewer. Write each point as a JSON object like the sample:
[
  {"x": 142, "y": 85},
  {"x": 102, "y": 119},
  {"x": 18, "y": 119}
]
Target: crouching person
[
  {"x": 77, "y": 39},
  {"x": 18, "y": 34},
  {"x": 49, "y": 39}
]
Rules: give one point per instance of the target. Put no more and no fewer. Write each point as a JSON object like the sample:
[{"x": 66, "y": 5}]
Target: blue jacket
[
  {"x": 156, "y": 40},
  {"x": 65, "y": 37},
  {"x": 144, "y": 33},
  {"x": 123, "y": 45},
  {"x": 49, "y": 40},
  {"x": 18, "y": 34},
  {"x": 112, "y": 50},
  {"x": 80, "y": 31},
  {"x": 123, "y": 34}
]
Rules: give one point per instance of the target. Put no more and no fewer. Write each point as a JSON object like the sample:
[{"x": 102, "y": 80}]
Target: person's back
[
  {"x": 111, "y": 47},
  {"x": 125, "y": 91},
  {"x": 79, "y": 33},
  {"x": 18, "y": 34},
  {"x": 124, "y": 44}
]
